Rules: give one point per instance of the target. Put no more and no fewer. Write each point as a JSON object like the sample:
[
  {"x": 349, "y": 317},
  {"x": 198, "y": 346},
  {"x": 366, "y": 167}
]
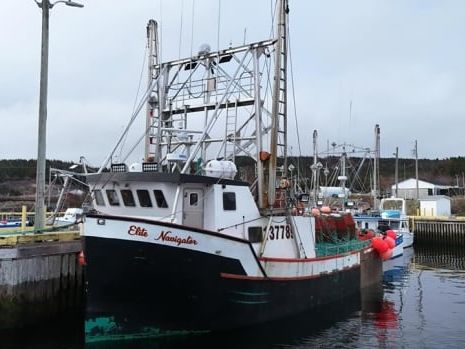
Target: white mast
[
  {"x": 278, "y": 111},
  {"x": 417, "y": 191},
  {"x": 375, "y": 167},
  {"x": 152, "y": 45},
  {"x": 397, "y": 173}
]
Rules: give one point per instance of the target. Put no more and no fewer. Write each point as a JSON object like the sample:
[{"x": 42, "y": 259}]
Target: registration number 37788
[{"x": 279, "y": 231}]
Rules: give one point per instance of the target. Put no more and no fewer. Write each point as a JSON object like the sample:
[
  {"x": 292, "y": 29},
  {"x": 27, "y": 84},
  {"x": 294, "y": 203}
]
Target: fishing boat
[
  {"x": 394, "y": 215},
  {"x": 391, "y": 216},
  {"x": 186, "y": 242}
]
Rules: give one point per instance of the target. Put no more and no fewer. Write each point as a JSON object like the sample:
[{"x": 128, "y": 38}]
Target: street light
[{"x": 45, "y": 5}]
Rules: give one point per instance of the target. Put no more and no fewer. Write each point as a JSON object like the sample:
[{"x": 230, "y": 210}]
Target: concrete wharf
[
  {"x": 40, "y": 275},
  {"x": 438, "y": 230}
]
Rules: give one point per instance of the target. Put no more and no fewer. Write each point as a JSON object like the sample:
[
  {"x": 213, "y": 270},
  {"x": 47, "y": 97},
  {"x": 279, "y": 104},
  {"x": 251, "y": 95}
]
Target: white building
[
  {"x": 435, "y": 206},
  {"x": 407, "y": 189}
]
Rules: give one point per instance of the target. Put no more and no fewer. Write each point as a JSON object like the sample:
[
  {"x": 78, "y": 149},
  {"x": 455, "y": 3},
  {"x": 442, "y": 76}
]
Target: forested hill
[
  {"x": 19, "y": 169},
  {"x": 449, "y": 171}
]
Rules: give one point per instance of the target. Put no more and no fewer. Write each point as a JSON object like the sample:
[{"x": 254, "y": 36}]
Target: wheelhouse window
[
  {"x": 255, "y": 234},
  {"x": 112, "y": 197},
  {"x": 160, "y": 198},
  {"x": 229, "y": 201},
  {"x": 128, "y": 198},
  {"x": 144, "y": 198},
  {"x": 193, "y": 199},
  {"x": 99, "y": 198}
]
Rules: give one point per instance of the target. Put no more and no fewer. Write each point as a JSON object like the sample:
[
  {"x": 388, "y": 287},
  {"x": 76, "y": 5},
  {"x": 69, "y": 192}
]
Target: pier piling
[{"x": 438, "y": 231}]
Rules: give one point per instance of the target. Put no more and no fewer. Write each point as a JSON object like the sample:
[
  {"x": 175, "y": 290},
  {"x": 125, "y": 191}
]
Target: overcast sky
[{"x": 400, "y": 62}]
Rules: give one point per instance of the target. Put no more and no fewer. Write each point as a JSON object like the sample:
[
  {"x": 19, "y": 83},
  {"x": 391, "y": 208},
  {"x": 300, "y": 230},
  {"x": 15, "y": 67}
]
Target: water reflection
[
  {"x": 441, "y": 257},
  {"x": 306, "y": 330},
  {"x": 65, "y": 332},
  {"x": 420, "y": 304}
]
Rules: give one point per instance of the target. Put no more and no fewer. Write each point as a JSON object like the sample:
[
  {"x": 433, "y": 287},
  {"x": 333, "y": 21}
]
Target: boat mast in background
[
  {"x": 417, "y": 196},
  {"x": 397, "y": 172},
  {"x": 376, "y": 168}
]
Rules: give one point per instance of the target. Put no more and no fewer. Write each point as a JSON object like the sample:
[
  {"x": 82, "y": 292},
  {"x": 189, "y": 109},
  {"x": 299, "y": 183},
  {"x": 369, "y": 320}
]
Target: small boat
[
  {"x": 394, "y": 215},
  {"x": 72, "y": 215},
  {"x": 391, "y": 216},
  {"x": 182, "y": 243},
  {"x": 11, "y": 223}
]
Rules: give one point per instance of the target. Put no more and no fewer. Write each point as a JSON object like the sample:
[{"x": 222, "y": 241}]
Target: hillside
[
  {"x": 17, "y": 177},
  {"x": 18, "y": 187}
]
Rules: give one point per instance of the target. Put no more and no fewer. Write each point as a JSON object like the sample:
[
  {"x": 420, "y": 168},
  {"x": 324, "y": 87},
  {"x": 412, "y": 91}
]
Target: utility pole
[{"x": 39, "y": 219}]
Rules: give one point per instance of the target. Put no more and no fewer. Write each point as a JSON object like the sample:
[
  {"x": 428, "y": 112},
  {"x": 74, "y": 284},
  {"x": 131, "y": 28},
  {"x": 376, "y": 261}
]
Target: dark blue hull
[{"x": 142, "y": 290}]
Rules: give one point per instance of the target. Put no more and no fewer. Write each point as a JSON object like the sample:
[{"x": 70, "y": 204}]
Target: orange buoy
[
  {"x": 387, "y": 254},
  {"x": 392, "y": 234},
  {"x": 390, "y": 241},
  {"x": 82, "y": 258},
  {"x": 370, "y": 234},
  {"x": 379, "y": 245}
]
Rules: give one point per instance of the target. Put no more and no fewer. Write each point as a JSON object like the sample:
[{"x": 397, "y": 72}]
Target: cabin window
[
  {"x": 128, "y": 198},
  {"x": 229, "y": 201},
  {"x": 193, "y": 199},
  {"x": 112, "y": 197},
  {"x": 255, "y": 234},
  {"x": 99, "y": 198},
  {"x": 160, "y": 198},
  {"x": 144, "y": 198}
]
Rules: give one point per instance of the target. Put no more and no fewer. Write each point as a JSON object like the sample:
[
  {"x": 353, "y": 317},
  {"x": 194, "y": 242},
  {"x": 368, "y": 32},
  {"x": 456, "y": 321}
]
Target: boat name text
[
  {"x": 138, "y": 231},
  {"x": 166, "y": 236}
]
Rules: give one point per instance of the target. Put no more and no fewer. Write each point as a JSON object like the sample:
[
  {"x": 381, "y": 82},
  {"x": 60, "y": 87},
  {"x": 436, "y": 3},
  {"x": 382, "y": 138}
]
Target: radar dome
[{"x": 221, "y": 169}]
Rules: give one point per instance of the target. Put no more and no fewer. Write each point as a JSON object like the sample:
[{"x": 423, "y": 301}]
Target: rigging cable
[
  {"x": 180, "y": 30},
  {"x": 192, "y": 27},
  {"x": 294, "y": 101},
  {"x": 218, "y": 27},
  {"x": 135, "y": 99},
  {"x": 160, "y": 46}
]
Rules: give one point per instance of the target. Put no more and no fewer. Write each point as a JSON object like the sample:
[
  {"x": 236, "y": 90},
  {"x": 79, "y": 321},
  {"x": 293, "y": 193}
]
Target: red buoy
[
  {"x": 370, "y": 234},
  {"x": 390, "y": 241},
  {"x": 82, "y": 258},
  {"x": 379, "y": 245},
  {"x": 387, "y": 254},
  {"x": 392, "y": 234}
]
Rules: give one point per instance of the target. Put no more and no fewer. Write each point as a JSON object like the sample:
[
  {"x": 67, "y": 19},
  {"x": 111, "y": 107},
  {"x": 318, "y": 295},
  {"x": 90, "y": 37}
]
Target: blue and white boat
[{"x": 391, "y": 216}]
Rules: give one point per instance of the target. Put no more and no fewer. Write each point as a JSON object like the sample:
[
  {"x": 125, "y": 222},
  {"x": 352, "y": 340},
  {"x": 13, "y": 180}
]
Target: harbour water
[{"x": 421, "y": 305}]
